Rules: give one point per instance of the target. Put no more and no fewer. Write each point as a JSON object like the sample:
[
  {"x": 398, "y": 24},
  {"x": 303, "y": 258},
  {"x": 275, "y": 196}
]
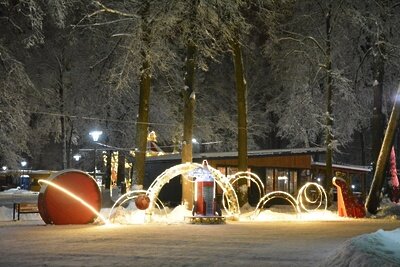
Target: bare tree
[
  {"x": 24, "y": 20},
  {"x": 317, "y": 36},
  {"x": 140, "y": 57},
  {"x": 379, "y": 70}
]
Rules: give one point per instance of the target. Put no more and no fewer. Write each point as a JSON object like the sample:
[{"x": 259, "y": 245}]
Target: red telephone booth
[{"x": 204, "y": 193}]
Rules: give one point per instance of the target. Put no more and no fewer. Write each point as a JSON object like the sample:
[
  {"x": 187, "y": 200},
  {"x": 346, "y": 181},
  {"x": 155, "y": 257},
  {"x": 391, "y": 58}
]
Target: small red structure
[
  {"x": 204, "y": 191},
  {"x": 348, "y": 206},
  {"x": 57, "y": 207},
  {"x": 142, "y": 202}
]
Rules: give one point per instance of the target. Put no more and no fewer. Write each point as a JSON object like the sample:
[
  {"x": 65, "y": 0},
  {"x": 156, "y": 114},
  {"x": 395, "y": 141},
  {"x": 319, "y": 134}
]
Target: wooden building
[{"x": 279, "y": 169}]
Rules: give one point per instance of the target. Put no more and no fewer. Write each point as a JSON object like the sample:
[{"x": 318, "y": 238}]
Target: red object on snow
[
  {"x": 57, "y": 207},
  {"x": 142, "y": 202},
  {"x": 394, "y": 180},
  {"x": 348, "y": 206},
  {"x": 204, "y": 191},
  {"x": 205, "y": 199},
  {"x": 393, "y": 169}
]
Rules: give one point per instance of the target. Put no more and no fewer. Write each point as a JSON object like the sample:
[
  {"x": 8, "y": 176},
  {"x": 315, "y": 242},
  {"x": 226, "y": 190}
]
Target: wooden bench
[{"x": 24, "y": 208}]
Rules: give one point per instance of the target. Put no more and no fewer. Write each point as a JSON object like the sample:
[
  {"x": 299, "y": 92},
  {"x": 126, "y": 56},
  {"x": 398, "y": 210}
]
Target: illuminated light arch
[
  {"x": 164, "y": 178},
  {"x": 276, "y": 194},
  {"x": 248, "y": 176},
  {"x": 228, "y": 191},
  {"x": 131, "y": 195},
  {"x": 302, "y": 195}
]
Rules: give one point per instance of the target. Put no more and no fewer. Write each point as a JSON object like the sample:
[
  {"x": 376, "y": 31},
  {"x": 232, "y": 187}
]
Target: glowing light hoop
[
  {"x": 248, "y": 176},
  {"x": 321, "y": 196},
  {"x": 72, "y": 195},
  {"x": 184, "y": 168},
  {"x": 227, "y": 188},
  {"x": 276, "y": 194},
  {"x": 164, "y": 178},
  {"x": 126, "y": 197}
]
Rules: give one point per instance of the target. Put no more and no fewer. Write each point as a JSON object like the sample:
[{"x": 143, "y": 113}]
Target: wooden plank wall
[{"x": 287, "y": 161}]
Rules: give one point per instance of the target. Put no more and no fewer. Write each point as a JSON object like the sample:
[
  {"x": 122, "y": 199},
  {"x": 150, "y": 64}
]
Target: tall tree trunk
[
  {"x": 107, "y": 174},
  {"x": 66, "y": 132},
  {"x": 107, "y": 178},
  {"x": 362, "y": 148},
  {"x": 188, "y": 120},
  {"x": 69, "y": 145},
  {"x": 64, "y": 142},
  {"x": 378, "y": 119},
  {"x": 374, "y": 196},
  {"x": 121, "y": 167},
  {"x": 144, "y": 97},
  {"x": 241, "y": 91},
  {"x": 329, "y": 92},
  {"x": 142, "y": 123},
  {"x": 61, "y": 96}
]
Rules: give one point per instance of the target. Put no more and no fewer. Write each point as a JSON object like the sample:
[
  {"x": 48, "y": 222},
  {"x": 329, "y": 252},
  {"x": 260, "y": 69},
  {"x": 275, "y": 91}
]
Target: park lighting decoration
[
  {"x": 77, "y": 198},
  {"x": 61, "y": 201},
  {"x": 77, "y": 157},
  {"x": 95, "y": 135},
  {"x": 304, "y": 197},
  {"x": 4, "y": 168},
  {"x": 24, "y": 163}
]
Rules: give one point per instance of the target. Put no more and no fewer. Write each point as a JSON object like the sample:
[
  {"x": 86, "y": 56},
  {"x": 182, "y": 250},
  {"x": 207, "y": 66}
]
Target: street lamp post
[
  {"x": 95, "y": 136},
  {"x": 23, "y": 163},
  {"x": 24, "y": 179},
  {"x": 77, "y": 157}
]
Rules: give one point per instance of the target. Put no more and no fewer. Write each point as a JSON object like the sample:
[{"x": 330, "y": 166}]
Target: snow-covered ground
[
  {"x": 275, "y": 237},
  {"x": 380, "y": 248}
]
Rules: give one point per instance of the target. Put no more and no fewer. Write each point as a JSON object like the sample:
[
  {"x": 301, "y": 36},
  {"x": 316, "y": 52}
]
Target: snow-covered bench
[{"x": 24, "y": 208}]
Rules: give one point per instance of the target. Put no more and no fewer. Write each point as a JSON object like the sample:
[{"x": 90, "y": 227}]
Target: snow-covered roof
[
  {"x": 29, "y": 172},
  {"x": 268, "y": 152},
  {"x": 344, "y": 167},
  {"x": 252, "y": 153}
]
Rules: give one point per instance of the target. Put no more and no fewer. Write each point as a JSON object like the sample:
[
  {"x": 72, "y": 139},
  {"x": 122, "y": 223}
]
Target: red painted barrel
[{"x": 57, "y": 207}]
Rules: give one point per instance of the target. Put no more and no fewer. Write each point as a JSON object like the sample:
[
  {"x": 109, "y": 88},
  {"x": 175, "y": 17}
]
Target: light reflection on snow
[{"x": 132, "y": 215}]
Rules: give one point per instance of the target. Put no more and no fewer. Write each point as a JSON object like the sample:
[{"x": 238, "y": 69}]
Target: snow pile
[
  {"x": 5, "y": 214},
  {"x": 287, "y": 213},
  {"x": 388, "y": 210},
  {"x": 18, "y": 190},
  {"x": 317, "y": 215},
  {"x": 132, "y": 215},
  {"x": 381, "y": 248},
  {"x": 13, "y": 195}
]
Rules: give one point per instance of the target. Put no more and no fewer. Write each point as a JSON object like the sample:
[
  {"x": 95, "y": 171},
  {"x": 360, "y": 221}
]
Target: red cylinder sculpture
[{"x": 57, "y": 207}]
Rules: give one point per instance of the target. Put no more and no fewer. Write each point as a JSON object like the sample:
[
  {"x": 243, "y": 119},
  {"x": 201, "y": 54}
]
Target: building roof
[
  {"x": 345, "y": 167},
  {"x": 253, "y": 153}
]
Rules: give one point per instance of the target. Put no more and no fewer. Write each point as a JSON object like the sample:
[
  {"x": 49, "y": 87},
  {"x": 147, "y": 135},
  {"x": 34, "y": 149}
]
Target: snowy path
[{"x": 30, "y": 243}]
